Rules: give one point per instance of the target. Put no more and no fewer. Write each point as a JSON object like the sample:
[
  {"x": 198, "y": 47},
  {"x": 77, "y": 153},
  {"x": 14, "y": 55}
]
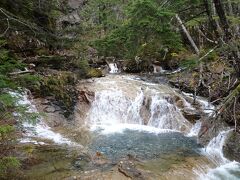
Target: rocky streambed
[{"x": 124, "y": 128}]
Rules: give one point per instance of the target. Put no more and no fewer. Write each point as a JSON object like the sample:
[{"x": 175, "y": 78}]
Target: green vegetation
[
  {"x": 58, "y": 44},
  {"x": 9, "y": 164},
  {"x": 61, "y": 87}
]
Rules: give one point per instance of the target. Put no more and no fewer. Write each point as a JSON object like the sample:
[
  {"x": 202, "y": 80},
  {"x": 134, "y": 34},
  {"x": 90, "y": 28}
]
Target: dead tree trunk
[
  {"x": 223, "y": 19},
  {"x": 194, "y": 47},
  {"x": 188, "y": 35},
  {"x": 212, "y": 22}
]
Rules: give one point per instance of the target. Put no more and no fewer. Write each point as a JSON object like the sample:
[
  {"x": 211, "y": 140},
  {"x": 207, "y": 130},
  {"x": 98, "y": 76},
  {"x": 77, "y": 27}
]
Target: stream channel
[{"x": 133, "y": 129}]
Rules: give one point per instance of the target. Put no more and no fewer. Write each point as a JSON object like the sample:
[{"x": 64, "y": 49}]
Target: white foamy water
[
  {"x": 129, "y": 103},
  {"x": 142, "y": 106},
  {"x": 195, "y": 129},
  {"x": 165, "y": 115},
  {"x": 214, "y": 149},
  {"x": 207, "y": 107},
  {"x": 113, "y": 68},
  {"x": 43, "y": 131},
  {"x": 225, "y": 170},
  {"x": 40, "y": 129},
  {"x": 120, "y": 128},
  {"x": 228, "y": 171}
]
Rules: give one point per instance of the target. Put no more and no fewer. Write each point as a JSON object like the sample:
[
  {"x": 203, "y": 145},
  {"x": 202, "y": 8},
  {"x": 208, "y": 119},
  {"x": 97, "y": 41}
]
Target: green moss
[
  {"x": 83, "y": 66},
  {"x": 61, "y": 87},
  {"x": 5, "y": 130},
  {"x": 31, "y": 82},
  {"x": 190, "y": 62},
  {"x": 7, "y": 100},
  {"x": 7, "y": 166},
  {"x": 94, "y": 73}
]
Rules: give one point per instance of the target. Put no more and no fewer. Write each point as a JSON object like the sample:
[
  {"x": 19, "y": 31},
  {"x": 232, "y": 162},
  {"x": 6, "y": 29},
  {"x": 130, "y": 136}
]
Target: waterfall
[
  {"x": 228, "y": 171},
  {"x": 225, "y": 169},
  {"x": 195, "y": 129},
  {"x": 207, "y": 107},
  {"x": 214, "y": 148},
  {"x": 39, "y": 129},
  {"x": 130, "y": 116},
  {"x": 113, "y": 68},
  {"x": 126, "y": 102},
  {"x": 142, "y": 105},
  {"x": 114, "y": 108},
  {"x": 165, "y": 115}
]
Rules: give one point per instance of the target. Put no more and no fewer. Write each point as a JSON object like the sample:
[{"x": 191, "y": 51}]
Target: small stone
[
  {"x": 49, "y": 109},
  {"x": 45, "y": 102}
]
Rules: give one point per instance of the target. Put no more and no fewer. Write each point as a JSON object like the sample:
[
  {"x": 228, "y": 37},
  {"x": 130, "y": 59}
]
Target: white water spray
[
  {"x": 225, "y": 169},
  {"x": 40, "y": 129},
  {"x": 195, "y": 129},
  {"x": 113, "y": 68},
  {"x": 141, "y": 104}
]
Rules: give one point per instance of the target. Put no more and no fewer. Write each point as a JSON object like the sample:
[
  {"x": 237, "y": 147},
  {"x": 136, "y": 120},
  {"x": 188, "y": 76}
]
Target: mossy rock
[
  {"x": 231, "y": 148},
  {"x": 94, "y": 73},
  {"x": 61, "y": 86}
]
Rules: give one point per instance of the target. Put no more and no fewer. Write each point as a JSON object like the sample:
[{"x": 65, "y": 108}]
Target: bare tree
[{"x": 223, "y": 19}]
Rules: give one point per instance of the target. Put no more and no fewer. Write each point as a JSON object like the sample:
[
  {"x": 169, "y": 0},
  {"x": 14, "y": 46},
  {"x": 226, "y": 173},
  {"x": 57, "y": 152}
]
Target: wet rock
[
  {"x": 191, "y": 115},
  {"x": 82, "y": 161},
  {"x": 180, "y": 104},
  {"x": 145, "y": 109},
  {"x": 128, "y": 168},
  {"x": 231, "y": 148},
  {"x": 86, "y": 96},
  {"x": 100, "y": 160},
  {"x": 210, "y": 128},
  {"x": 89, "y": 80},
  {"x": 51, "y": 108}
]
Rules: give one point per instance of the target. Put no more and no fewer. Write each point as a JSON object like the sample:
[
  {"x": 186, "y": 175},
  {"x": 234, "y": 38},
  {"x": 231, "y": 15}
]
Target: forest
[{"x": 50, "y": 50}]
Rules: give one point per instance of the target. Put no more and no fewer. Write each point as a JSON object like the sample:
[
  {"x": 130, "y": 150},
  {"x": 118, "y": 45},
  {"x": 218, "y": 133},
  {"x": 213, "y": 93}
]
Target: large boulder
[
  {"x": 231, "y": 148},
  {"x": 210, "y": 128},
  {"x": 191, "y": 114}
]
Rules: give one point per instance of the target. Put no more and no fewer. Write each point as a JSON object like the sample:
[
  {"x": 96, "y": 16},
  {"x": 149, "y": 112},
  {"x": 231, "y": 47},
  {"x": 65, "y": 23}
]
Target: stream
[{"x": 137, "y": 130}]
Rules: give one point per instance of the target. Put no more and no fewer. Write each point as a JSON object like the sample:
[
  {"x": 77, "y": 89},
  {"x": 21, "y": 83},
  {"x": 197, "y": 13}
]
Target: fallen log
[{"x": 21, "y": 72}]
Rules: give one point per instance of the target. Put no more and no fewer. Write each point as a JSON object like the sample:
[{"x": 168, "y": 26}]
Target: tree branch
[
  {"x": 9, "y": 17},
  {"x": 1, "y": 35},
  {"x": 200, "y": 59}
]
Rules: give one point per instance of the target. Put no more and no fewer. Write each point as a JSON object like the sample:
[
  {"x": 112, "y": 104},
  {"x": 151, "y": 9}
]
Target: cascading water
[
  {"x": 225, "y": 169},
  {"x": 195, "y": 129},
  {"x": 165, "y": 115},
  {"x": 144, "y": 105},
  {"x": 151, "y": 108},
  {"x": 113, "y": 68},
  {"x": 215, "y": 148},
  {"x": 39, "y": 129},
  {"x": 131, "y": 117}
]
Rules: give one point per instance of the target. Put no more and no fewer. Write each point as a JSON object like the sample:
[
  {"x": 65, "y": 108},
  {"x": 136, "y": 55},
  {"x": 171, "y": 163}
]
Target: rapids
[
  {"x": 129, "y": 117},
  {"x": 127, "y": 100}
]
